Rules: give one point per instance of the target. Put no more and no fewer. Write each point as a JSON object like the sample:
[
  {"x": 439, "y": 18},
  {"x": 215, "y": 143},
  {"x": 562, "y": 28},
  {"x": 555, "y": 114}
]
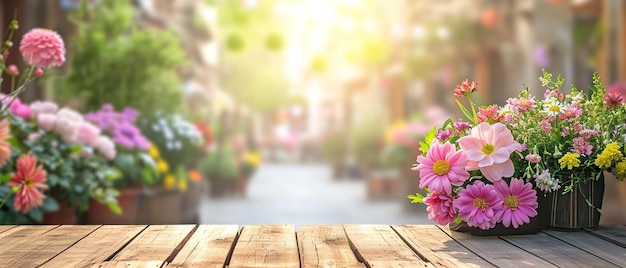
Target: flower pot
[
  {"x": 65, "y": 215},
  {"x": 241, "y": 185},
  {"x": 190, "y": 202},
  {"x": 159, "y": 206},
  {"x": 128, "y": 200},
  {"x": 529, "y": 228},
  {"x": 571, "y": 211},
  {"x": 220, "y": 187}
]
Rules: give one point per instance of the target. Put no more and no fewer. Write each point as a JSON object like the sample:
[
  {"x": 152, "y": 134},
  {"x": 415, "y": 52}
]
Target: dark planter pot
[
  {"x": 529, "y": 228},
  {"x": 159, "y": 206},
  {"x": 190, "y": 204},
  {"x": 571, "y": 211},
  {"x": 241, "y": 185},
  {"x": 220, "y": 187},
  {"x": 128, "y": 200},
  {"x": 65, "y": 215}
]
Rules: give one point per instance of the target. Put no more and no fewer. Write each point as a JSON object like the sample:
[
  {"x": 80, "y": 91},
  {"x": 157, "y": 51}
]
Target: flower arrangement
[
  {"x": 488, "y": 170},
  {"x": 133, "y": 160}
]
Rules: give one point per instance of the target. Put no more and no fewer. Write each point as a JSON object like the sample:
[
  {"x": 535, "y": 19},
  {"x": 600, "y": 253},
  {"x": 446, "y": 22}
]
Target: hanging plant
[
  {"x": 235, "y": 42},
  {"x": 274, "y": 42}
]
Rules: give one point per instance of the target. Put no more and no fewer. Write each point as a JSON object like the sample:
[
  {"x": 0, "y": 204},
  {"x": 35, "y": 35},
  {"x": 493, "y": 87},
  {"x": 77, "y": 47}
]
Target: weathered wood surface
[{"x": 309, "y": 246}]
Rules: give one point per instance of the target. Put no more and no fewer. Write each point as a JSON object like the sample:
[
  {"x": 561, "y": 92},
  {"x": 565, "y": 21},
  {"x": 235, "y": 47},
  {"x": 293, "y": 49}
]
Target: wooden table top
[{"x": 309, "y": 246}]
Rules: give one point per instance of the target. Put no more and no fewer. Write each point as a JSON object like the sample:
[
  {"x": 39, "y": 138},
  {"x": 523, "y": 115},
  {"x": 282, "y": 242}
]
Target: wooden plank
[
  {"x": 497, "y": 251},
  {"x": 6, "y": 227},
  {"x": 96, "y": 247},
  {"x": 266, "y": 246},
  {"x": 380, "y": 246},
  {"x": 615, "y": 234},
  {"x": 556, "y": 251},
  {"x": 129, "y": 264},
  {"x": 157, "y": 242},
  {"x": 597, "y": 246},
  {"x": 437, "y": 247},
  {"x": 325, "y": 246},
  {"x": 209, "y": 246},
  {"x": 39, "y": 249}
]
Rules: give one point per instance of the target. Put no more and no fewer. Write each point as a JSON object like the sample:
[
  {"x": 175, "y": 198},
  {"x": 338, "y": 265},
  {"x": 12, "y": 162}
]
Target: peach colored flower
[
  {"x": 31, "y": 179},
  {"x": 43, "y": 48},
  {"x": 5, "y": 146},
  {"x": 488, "y": 148}
]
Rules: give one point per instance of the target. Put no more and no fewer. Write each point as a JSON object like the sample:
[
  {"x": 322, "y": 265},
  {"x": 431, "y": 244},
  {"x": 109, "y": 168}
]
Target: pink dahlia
[
  {"x": 440, "y": 207},
  {"x": 442, "y": 167},
  {"x": 30, "y": 179},
  {"x": 480, "y": 205},
  {"x": 488, "y": 148},
  {"x": 43, "y": 48},
  {"x": 520, "y": 202}
]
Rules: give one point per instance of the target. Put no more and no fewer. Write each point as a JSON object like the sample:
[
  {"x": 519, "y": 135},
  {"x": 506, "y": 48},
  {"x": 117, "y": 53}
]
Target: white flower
[
  {"x": 552, "y": 107},
  {"x": 546, "y": 182}
]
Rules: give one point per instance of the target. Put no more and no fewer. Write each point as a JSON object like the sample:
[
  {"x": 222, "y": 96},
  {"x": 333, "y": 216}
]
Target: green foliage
[
  {"x": 138, "y": 169},
  {"x": 116, "y": 63},
  {"x": 220, "y": 162},
  {"x": 366, "y": 139},
  {"x": 417, "y": 198},
  {"x": 334, "y": 146}
]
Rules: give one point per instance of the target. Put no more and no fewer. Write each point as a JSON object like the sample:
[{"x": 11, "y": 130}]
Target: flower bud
[
  {"x": 38, "y": 72},
  {"x": 8, "y": 44},
  {"x": 14, "y": 25},
  {"x": 15, "y": 189},
  {"x": 13, "y": 70}
]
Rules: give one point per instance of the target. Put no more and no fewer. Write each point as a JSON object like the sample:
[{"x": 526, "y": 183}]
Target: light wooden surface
[{"x": 309, "y": 246}]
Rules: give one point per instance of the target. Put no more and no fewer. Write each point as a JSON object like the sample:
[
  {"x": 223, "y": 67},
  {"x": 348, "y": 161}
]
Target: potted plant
[
  {"x": 334, "y": 149},
  {"x": 249, "y": 162},
  {"x": 219, "y": 165}
]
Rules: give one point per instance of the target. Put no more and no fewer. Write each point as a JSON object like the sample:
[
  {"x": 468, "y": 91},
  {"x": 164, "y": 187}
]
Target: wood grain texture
[
  {"x": 266, "y": 246},
  {"x": 6, "y": 228},
  {"x": 556, "y": 251},
  {"x": 39, "y": 249},
  {"x": 380, "y": 246},
  {"x": 614, "y": 234},
  {"x": 597, "y": 246},
  {"x": 129, "y": 264},
  {"x": 96, "y": 247},
  {"x": 497, "y": 251},
  {"x": 157, "y": 242},
  {"x": 437, "y": 247},
  {"x": 209, "y": 246},
  {"x": 325, "y": 246}
]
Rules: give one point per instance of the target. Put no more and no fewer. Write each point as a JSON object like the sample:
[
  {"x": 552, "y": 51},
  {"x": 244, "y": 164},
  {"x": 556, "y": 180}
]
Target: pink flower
[
  {"x": 442, "y": 167},
  {"x": 5, "y": 146},
  {"x": 520, "y": 202},
  {"x": 546, "y": 124},
  {"x": 613, "y": 99},
  {"x": 443, "y": 135},
  {"x": 465, "y": 89},
  {"x": 31, "y": 180},
  {"x": 87, "y": 133},
  {"x": 571, "y": 112},
  {"x": 582, "y": 146},
  {"x": 38, "y": 72},
  {"x": 43, "y": 48},
  {"x": 533, "y": 158},
  {"x": 43, "y": 107},
  {"x": 13, "y": 70},
  {"x": 46, "y": 121},
  {"x": 106, "y": 147},
  {"x": 67, "y": 123},
  {"x": 440, "y": 207},
  {"x": 461, "y": 126},
  {"x": 488, "y": 148},
  {"x": 20, "y": 110},
  {"x": 588, "y": 133},
  {"x": 480, "y": 205},
  {"x": 489, "y": 114}
]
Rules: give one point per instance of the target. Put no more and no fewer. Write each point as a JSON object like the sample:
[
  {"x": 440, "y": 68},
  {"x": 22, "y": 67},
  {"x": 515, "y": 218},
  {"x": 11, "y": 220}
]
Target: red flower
[{"x": 30, "y": 178}]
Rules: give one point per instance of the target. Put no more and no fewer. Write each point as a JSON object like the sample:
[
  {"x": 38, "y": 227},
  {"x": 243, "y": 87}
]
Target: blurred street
[{"x": 302, "y": 194}]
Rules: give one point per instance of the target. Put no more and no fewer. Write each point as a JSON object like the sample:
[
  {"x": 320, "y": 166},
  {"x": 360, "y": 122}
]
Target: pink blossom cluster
[{"x": 71, "y": 126}]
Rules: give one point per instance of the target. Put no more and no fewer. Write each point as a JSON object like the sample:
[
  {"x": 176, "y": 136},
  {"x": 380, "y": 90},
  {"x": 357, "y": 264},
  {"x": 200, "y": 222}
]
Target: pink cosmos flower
[
  {"x": 520, "y": 202},
  {"x": 442, "y": 167},
  {"x": 480, "y": 205},
  {"x": 488, "y": 148},
  {"x": 43, "y": 48},
  {"x": 465, "y": 89},
  {"x": 31, "y": 180},
  {"x": 440, "y": 207}
]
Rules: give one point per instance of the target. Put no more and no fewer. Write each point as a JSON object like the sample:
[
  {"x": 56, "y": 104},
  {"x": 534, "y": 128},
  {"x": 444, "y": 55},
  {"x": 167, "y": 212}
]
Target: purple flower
[
  {"x": 107, "y": 107},
  {"x": 123, "y": 141},
  {"x": 129, "y": 114}
]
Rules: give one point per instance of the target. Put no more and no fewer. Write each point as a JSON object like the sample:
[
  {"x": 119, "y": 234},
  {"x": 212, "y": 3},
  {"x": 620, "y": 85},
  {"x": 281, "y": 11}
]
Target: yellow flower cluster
[
  {"x": 253, "y": 158},
  {"x": 620, "y": 170},
  {"x": 169, "y": 181},
  {"x": 570, "y": 160},
  {"x": 609, "y": 154}
]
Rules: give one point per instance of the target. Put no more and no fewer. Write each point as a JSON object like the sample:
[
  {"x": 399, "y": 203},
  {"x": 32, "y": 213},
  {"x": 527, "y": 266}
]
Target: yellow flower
[
  {"x": 153, "y": 151},
  {"x": 570, "y": 160},
  {"x": 253, "y": 158},
  {"x": 169, "y": 182},
  {"x": 603, "y": 161},
  {"x": 621, "y": 170},
  {"x": 182, "y": 185},
  {"x": 609, "y": 154},
  {"x": 162, "y": 166}
]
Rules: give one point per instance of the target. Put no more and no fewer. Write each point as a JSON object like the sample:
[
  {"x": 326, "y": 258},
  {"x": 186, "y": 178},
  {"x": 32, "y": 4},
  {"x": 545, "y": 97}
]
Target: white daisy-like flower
[
  {"x": 546, "y": 182},
  {"x": 552, "y": 107}
]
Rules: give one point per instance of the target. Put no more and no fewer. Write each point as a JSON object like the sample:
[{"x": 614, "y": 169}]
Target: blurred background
[{"x": 309, "y": 111}]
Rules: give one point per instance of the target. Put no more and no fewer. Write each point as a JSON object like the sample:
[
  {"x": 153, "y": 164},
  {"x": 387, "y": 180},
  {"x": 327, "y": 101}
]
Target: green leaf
[
  {"x": 458, "y": 220},
  {"x": 115, "y": 208},
  {"x": 465, "y": 112},
  {"x": 50, "y": 204},
  {"x": 417, "y": 198},
  {"x": 428, "y": 139},
  {"x": 5, "y": 178},
  {"x": 36, "y": 215}
]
